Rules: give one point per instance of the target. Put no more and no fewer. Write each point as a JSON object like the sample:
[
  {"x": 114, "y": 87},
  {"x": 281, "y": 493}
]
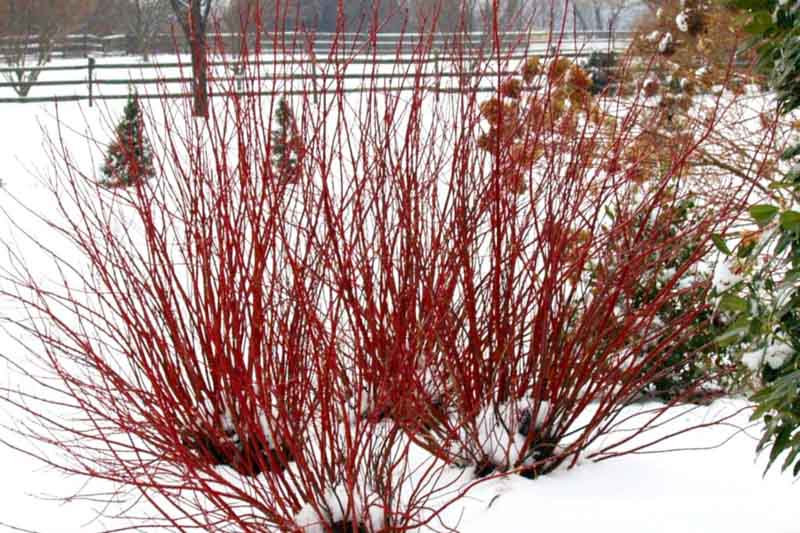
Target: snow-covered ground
[
  {"x": 714, "y": 485},
  {"x": 711, "y": 486}
]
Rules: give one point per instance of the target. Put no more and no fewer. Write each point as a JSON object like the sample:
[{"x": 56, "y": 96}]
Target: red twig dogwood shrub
[
  {"x": 448, "y": 279},
  {"x": 493, "y": 290},
  {"x": 196, "y": 331}
]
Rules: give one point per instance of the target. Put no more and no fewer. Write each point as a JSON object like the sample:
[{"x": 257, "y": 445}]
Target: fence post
[
  {"x": 91, "y": 80},
  {"x": 437, "y": 69},
  {"x": 313, "y": 75}
]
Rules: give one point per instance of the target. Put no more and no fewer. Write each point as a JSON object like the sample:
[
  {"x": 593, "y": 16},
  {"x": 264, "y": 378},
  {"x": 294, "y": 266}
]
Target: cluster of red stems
[{"x": 434, "y": 298}]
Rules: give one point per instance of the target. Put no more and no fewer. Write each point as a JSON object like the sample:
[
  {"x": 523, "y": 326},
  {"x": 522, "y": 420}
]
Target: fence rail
[
  {"x": 291, "y": 72},
  {"x": 84, "y": 45}
]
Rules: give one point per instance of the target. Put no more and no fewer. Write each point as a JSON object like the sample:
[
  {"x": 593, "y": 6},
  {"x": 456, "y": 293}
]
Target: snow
[
  {"x": 753, "y": 359},
  {"x": 711, "y": 487},
  {"x": 693, "y": 492},
  {"x": 313, "y": 517},
  {"x": 665, "y": 44},
  {"x": 777, "y": 354},
  {"x": 359, "y": 404},
  {"x": 267, "y": 423},
  {"x": 682, "y": 21},
  {"x": 715, "y": 485},
  {"x": 701, "y": 490},
  {"x": 502, "y": 429},
  {"x": 334, "y": 509},
  {"x": 310, "y": 520},
  {"x": 774, "y": 355},
  {"x": 723, "y": 278},
  {"x": 650, "y": 85}
]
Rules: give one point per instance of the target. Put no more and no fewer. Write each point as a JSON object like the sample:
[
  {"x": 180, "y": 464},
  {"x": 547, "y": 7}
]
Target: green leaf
[
  {"x": 756, "y": 326},
  {"x": 784, "y": 241},
  {"x": 790, "y": 221},
  {"x": 735, "y": 332},
  {"x": 791, "y": 152},
  {"x": 795, "y": 445},
  {"x": 792, "y": 177},
  {"x": 752, "y": 5},
  {"x": 730, "y": 302},
  {"x": 720, "y": 244},
  {"x": 763, "y": 213},
  {"x": 780, "y": 444},
  {"x": 791, "y": 277},
  {"x": 759, "y": 23},
  {"x": 746, "y": 250},
  {"x": 760, "y": 411}
]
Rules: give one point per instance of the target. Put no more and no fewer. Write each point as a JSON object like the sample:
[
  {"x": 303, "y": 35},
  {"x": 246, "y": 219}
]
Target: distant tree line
[
  {"x": 29, "y": 29},
  {"x": 426, "y": 15},
  {"x": 142, "y": 18},
  {"x": 360, "y": 15}
]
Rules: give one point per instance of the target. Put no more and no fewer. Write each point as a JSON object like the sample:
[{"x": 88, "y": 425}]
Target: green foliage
[
  {"x": 720, "y": 244},
  {"x": 780, "y": 397},
  {"x": 601, "y": 67},
  {"x": 764, "y": 308},
  {"x": 775, "y": 33},
  {"x": 129, "y": 159},
  {"x": 697, "y": 358},
  {"x": 770, "y": 321},
  {"x": 763, "y": 214},
  {"x": 286, "y": 146}
]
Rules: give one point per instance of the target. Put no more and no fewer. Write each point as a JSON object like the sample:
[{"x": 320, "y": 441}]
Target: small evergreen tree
[
  {"x": 130, "y": 158},
  {"x": 601, "y": 67},
  {"x": 286, "y": 144}
]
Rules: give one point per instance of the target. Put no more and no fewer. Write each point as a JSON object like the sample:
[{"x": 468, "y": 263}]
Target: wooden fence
[
  {"x": 292, "y": 70},
  {"x": 86, "y": 45}
]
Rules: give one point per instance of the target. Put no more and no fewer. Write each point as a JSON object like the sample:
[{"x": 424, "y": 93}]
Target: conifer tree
[
  {"x": 285, "y": 144},
  {"x": 129, "y": 159}
]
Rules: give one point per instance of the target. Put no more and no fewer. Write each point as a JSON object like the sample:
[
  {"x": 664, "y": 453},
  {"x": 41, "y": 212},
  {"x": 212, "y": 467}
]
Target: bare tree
[
  {"x": 326, "y": 15},
  {"x": 600, "y": 14},
  {"x": 238, "y": 19},
  {"x": 148, "y": 18},
  {"x": 444, "y": 16},
  {"x": 108, "y": 17},
  {"x": 192, "y": 15},
  {"x": 510, "y": 15},
  {"x": 29, "y": 30},
  {"x": 276, "y": 15}
]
